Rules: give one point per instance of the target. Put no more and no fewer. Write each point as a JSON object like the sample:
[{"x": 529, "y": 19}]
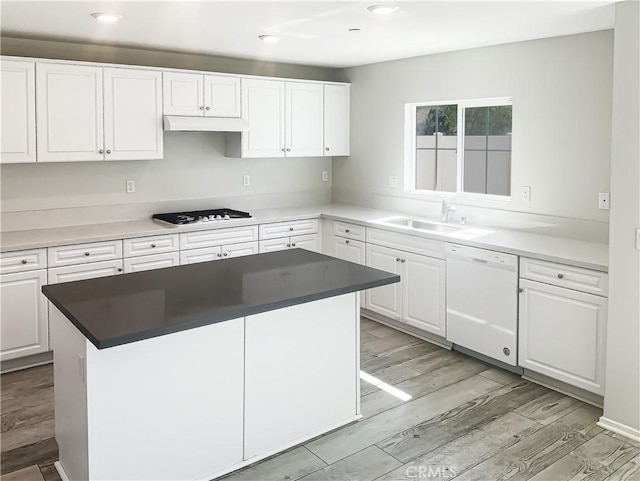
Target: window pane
[
  {"x": 448, "y": 119},
  {"x": 426, "y": 170},
  {"x": 499, "y": 173},
  {"x": 500, "y": 120},
  {"x": 426, "y": 120},
  {"x": 476, "y": 121}
]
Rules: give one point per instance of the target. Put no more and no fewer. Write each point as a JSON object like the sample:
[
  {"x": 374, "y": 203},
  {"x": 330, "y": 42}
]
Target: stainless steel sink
[{"x": 422, "y": 225}]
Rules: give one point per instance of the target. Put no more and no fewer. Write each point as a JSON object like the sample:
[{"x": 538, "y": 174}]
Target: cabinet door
[
  {"x": 85, "y": 271},
  {"x": 285, "y": 229},
  {"x": 336, "y": 119},
  {"x": 238, "y": 250},
  {"x": 352, "y": 251},
  {"x": 206, "y": 254},
  {"x": 310, "y": 242},
  {"x": 182, "y": 94},
  {"x": 563, "y": 334},
  {"x": 155, "y": 261},
  {"x": 263, "y": 107},
  {"x": 423, "y": 293},
  {"x": 385, "y": 300},
  {"x": 24, "y": 328},
  {"x": 18, "y": 113},
  {"x": 304, "y": 117},
  {"x": 221, "y": 96},
  {"x": 273, "y": 245},
  {"x": 132, "y": 114},
  {"x": 70, "y": 112}
]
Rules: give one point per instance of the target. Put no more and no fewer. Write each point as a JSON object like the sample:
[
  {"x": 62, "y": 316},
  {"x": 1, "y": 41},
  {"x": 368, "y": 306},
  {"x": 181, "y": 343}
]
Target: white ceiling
[{"x": 311, "y": 32}]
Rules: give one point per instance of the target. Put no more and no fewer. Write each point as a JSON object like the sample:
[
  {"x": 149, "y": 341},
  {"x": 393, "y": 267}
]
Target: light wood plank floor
[{"x": 428, "y": 413}]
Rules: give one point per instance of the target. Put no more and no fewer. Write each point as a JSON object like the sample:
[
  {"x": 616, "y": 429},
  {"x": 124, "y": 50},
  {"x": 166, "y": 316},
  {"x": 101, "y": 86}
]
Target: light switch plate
[
  {"x": 526, "y": 193},
  {"x": 393, "y": 181},
  {"x": 638, "y": 239},
  {"x": 325, "y": 176},
  {"x": 246, "y": 180},
  {"x": 603, "y": 201},
  {"x": 131, "y": 186}
]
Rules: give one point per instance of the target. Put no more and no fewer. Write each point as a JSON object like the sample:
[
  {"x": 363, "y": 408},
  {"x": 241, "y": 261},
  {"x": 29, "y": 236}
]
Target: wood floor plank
[
  {"x": 36, "y": 398},
  {"x": 353, "y": 438},
  {"x": 627, "y": 472},
  {"x": 434, "y": 360},
  {"x": 291, "y": 465},
  {"x": 419, "y": 386},
  {"x": 390, "y": 375},
  {"x": 366, "y": 324},
  {"x": 540, "y": 450},
  {"x": 468, "y": 450},
  {"x": 382, "y": 331},
  {"x": 549, "y": 408},
  {"x": 459, "y": 421},
  {"x": 366, "y": 337},
  {"x": 26, "y": 417},
  {"x": 6, "y": 380},
  {"x": 390, "y": 343},
  {"x": 364, "y": 465},
  {"x": 32, "y": 473},
  {"x": 41, "y": 453},
  {"x": 500, "y": 375},
  {"x": 16, "y": 438},
  {"x": 622, "y": 438}
]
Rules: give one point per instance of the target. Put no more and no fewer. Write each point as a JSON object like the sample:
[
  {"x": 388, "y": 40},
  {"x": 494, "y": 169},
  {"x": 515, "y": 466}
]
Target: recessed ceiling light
[
  {"x": 269, "y": 38},
  {"x": 106, "y": 17},
  {"x": 382, "y": 9}
]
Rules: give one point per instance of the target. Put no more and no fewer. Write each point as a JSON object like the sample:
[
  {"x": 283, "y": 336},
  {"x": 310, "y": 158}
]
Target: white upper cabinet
[
  {"x": 303, "y": 119},
  {"x": 70, "y": 113},
  {"x": 91, "y": 113},
  {"x": 336, "y": 119},
  {"x": 132, "y": 114},
  {"x": 197, "y": 95},
  {"x": 18, "y": 112},
  {"x": 263, "y": 107}
]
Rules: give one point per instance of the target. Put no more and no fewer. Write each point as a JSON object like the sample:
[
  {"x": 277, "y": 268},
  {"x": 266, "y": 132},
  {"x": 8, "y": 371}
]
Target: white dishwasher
[{"x": 482, "y": 301}]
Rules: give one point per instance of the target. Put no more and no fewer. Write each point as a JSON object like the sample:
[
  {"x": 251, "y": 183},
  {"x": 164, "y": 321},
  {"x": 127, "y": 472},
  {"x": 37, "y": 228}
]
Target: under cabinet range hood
[{"x": 204, "y": 124}]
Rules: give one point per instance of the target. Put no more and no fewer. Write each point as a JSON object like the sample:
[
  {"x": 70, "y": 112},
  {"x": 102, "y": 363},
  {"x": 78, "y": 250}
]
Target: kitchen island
[{"x": 194, "y": 371}]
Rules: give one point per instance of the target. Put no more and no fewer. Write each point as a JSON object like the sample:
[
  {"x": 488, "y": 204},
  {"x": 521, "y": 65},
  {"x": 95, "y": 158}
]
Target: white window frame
[{"x": 410, "y": 151}]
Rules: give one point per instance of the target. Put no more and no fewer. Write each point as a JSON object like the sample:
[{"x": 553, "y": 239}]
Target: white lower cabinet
[
  {"x": 155, "y": 261},
  {"x": 25, "y": 328},
  {"x": 563, "y": 334},
  {"x": 310, "y": 242},
  {"x": 352, "y": 251},
  {"x": 82, "y": 272},
  {"x": 419, "y": 298}
]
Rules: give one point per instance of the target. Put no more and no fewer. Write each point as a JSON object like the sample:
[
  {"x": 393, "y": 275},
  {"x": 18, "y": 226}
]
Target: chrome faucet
[{"x": 447, "y": 210}]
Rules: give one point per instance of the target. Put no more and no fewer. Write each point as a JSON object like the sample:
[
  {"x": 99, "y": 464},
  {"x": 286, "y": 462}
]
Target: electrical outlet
[
  {"x": 638, "y": 239},
  {"x": 246, "y": 180},
  {"x": 603, "y": 201},
  {"x": 526, "y": 193},
  {"x": 393, "y": 181},
  {"x": 325, "y": 176},
  {"x": 131, "y": 186}
]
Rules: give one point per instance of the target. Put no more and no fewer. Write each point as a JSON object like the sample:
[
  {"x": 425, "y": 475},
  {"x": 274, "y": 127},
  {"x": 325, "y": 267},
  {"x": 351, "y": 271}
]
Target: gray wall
[
  {"x": 194, "y": 168},
  {"x": 622, "y": 395},
  {"x": 561, "y": 91}
]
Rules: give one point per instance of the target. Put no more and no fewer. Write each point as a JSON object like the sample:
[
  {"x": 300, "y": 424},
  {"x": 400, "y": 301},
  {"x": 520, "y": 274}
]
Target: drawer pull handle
[
  {"x": 506, "y": 351},
  {"x": 346, "y": 242},
  {"x": 87, "y": 253},
  {"x": 24, "y": 261},
  {"x": 291, "y": 228},
  {"x": 560, "y": 276},
  {"x": 153, "y": 245},
  {"x": 119, "y": 269}
]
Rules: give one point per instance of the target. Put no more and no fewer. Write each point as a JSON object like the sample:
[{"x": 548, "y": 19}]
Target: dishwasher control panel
[{"x": 481, "y": 256}]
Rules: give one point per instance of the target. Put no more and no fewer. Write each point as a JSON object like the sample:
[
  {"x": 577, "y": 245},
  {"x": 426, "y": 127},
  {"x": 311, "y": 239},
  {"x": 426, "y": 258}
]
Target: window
[{"x": 460, "y": 147}]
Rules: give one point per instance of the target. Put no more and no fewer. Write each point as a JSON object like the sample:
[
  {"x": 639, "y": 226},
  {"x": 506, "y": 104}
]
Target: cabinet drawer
[
  {"x": 284, "y": 229},
  {"x": 21, "y": 261},
  {"x": 415, "y": 244},
  {"x": 352, "y": 231},
  {"x": 206, "y": 254},
  {"x": 83, "y": 253},
  {"x": 143, "y": 246},
  {"x": 239, "y": 250},
  {"x": 577, "y": 278},
  {"x": 217, "y": 237},
  {"x": 272, "y": 245},
  {"x": 155, "y": 261},
  {"x": 81, "y": 272}
]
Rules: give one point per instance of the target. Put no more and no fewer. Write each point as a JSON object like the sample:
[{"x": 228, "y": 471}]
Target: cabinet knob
[
  {"x": 397, "y": 259},
  {"x": 24, "y": 261},
  {"x": 346, "y": 242},
  {"x": 108, "y": 151},
  {"x": 282, "y": 150},
  {"x": 327, "y": 149},
  {"x": 288, "y": 245},
  {"x": 225, "y": 254},
  {"x": 219, "y": 255},
  {"x": 293, "y": 244},
  {"x": 506, "y": 351},
  {"x": 202, "y": 107},
  {"x": 403, "y": 260},
  {"x": 207, "y": 108},
  {"x": 288, "y": 150},
  {"x": 291, "y": 228},
  {"x": 560, "y": 276},
  {"x": 520, "y": 289},
  {"x": 101, "y": 151},
  {"x": 347, "y": 231},
  {"x": 153, "y": 245},
  {"x": 119, "y": 269},
  {"x": 87, "y": 253}
]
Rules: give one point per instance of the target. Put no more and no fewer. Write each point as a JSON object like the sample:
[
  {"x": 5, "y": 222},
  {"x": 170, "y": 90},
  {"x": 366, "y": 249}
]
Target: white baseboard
[
  {"x": 407, "y": 329},
  {"x": 619, "y": 428},
  {"x": 61, "y": 471},
  {"x": 564, "y": 388}
]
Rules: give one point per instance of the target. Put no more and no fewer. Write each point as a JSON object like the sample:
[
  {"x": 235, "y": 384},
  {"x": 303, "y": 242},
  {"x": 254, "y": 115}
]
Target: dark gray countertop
[{"x": 116, "y": 310}]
